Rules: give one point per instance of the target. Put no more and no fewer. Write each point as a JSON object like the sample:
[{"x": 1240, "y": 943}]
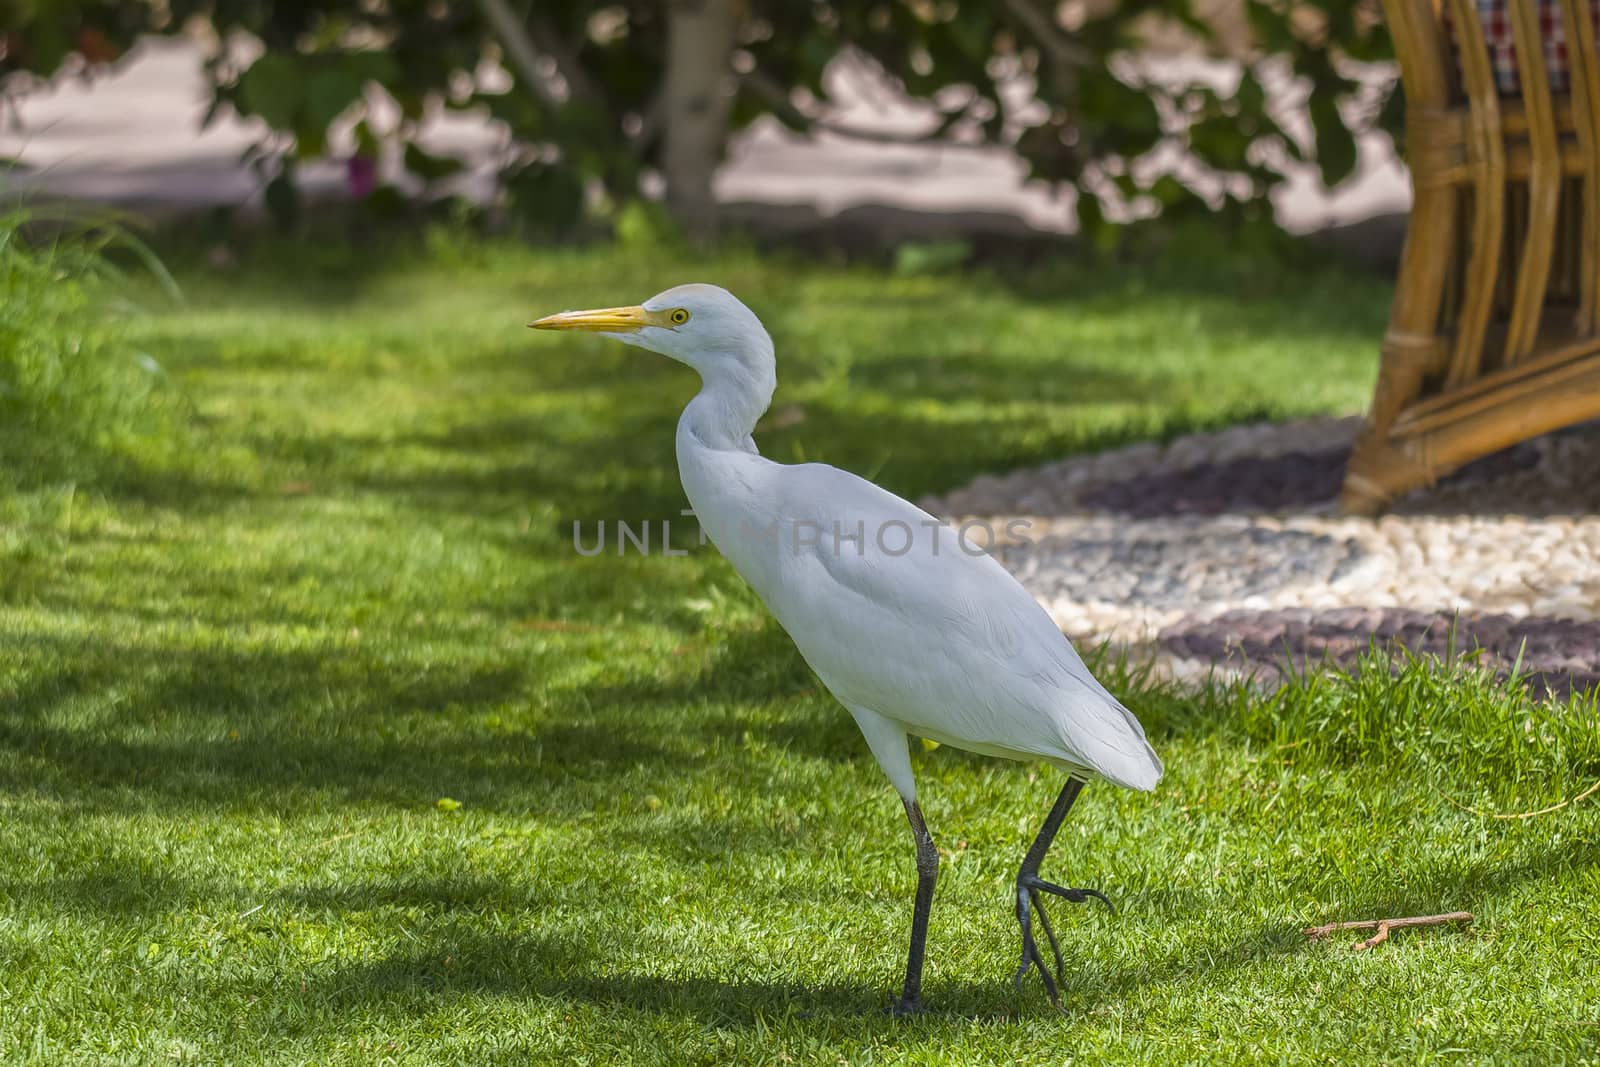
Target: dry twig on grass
[
  {"x": 1381, "y": 927},
  {"x": 1554, "y": 807},
  {"x": 1585, "y": 795}
]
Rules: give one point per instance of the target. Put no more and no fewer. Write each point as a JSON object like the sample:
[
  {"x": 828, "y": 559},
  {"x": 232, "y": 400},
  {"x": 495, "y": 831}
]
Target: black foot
[
  {"x": 1029, "y": 886},
  {"x": 905, "y": 1007}
]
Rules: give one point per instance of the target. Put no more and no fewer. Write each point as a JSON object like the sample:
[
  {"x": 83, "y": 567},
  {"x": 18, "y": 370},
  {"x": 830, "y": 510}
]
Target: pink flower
[{"x": 362, "y": 174}]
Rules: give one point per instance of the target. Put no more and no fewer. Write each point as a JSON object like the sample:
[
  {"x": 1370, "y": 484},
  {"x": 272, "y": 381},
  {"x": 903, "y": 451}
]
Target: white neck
[
  {"x": 723, "y": 415},
  {"x": 717, "y": 458}
]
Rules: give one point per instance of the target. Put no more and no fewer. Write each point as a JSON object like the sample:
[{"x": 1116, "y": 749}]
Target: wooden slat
[
  {"x": 1486, "y": 153},
  {"x": 1583, "y": 63},
  {"x": 1514, "y": 119},
  {"x": 1381, "y": 470},
  {"x": 1568, "y": 395},
  {"x": 1567, "y": 362},
  {"x": 1436, "y": 140},
  {"x": 1412, "y": 348},
  {"x": 1573, "y": 161},
  {"x": 1424, "y": 53},
  {"x": 1544, "y": 183}
]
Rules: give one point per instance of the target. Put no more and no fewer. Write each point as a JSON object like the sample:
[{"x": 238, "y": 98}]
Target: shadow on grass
[
  {"x": 251, "y": 727},
  {"x": 467, "y": 962},
  {"x": 115, "y": 882},
  {"x": 462, "y": 962},
  {"x": 246, "y": 728}
]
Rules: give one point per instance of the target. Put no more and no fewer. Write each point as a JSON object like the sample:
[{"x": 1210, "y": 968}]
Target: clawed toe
[
  {"x": 1075, "y": 894},
  {"x": 1027, "y": 904},
  {"x": 1029, "y": 886}
]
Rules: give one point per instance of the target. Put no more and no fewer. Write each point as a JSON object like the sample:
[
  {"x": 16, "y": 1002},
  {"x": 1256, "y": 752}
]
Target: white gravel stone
[{"x": 1522, "y": 538}]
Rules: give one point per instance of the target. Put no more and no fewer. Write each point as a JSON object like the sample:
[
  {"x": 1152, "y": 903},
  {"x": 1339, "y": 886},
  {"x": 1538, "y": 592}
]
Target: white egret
[{"x": 914, "y": 631}]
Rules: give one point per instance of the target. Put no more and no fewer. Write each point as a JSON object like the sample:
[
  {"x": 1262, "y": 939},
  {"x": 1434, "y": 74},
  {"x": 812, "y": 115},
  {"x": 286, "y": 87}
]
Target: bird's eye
[{"x": 679, "y": 316}]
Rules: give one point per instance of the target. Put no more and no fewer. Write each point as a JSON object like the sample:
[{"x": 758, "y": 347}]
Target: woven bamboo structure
[{"x": 1494, "y": 336}]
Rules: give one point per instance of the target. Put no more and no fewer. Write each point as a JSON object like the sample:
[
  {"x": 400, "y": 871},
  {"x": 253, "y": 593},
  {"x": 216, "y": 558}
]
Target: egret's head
[{"x": 702, "y": 325}]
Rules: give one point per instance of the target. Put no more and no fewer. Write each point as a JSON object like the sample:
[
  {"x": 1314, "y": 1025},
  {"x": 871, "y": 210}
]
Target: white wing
[{"x": 940, "y": 640}]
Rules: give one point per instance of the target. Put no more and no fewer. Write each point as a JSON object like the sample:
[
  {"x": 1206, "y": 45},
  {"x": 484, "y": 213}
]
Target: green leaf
[
  {"x": 1269, "y": 27},
  {"x": 366, "y": 140},
  {"x": 1169, "y": 192},
  {"x": 328, "y": 92},
  {"x": 429, "y": 167},
  {"x": 517, "y": 110},
  {"x": 1092, "y": 222},
  {"x": 377, "y": 67},
  {"x": 1118, "y": 118},
  {"x": 1252, "y": 95},
  {"x": 272, "y": 88},
  {"x": 1336, "y": 145},
  {"x": 48, "y": 44},
  {"x": 1220, "y": 143}
]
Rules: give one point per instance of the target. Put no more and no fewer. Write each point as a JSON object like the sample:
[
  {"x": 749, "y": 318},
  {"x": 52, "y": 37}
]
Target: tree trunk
[{"x": 698, "y": 95}]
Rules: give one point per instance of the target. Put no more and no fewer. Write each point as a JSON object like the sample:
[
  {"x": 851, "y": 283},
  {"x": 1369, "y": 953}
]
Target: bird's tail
[
  {"x": 1122, "y": 754},
  {"x": 1141, "y": 773}
]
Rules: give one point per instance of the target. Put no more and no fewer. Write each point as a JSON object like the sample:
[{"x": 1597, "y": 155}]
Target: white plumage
[
  {"x": 915, "y": 632},
  {"x": 946, "y": 646}
]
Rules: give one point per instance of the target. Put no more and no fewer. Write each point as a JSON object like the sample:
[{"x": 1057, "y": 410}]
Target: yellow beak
[{"x": 601, "y": 320}]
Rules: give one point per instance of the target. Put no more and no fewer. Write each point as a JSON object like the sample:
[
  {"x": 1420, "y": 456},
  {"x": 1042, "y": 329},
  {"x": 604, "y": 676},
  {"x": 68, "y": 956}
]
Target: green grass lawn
[{"x": 250, "y": 669}]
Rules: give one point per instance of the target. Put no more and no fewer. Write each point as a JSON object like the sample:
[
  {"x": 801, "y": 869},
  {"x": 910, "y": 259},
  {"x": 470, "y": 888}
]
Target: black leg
[
  {"x": 1030, "y": 885},
  {"x": 910, "y": 1001}
]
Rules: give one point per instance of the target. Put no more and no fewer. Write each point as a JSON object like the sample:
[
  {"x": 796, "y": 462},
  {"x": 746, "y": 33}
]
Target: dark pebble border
[
  {"x": 1285, "y": 482},
  {"x": 1558, "y": 656}
]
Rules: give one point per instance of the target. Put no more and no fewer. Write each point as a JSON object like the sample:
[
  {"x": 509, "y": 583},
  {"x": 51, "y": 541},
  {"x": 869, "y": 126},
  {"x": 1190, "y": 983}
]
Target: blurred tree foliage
[{"x": 598, "y": 92}]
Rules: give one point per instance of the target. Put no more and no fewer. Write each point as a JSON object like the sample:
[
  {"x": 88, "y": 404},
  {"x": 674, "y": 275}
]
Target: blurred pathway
[{"x": 133, "y": 138}]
